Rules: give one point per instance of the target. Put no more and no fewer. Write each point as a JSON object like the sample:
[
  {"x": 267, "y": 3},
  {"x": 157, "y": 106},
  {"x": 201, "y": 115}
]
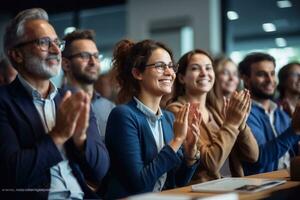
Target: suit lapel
[
  {"x": 147, "y": 136},
  {"x": 25, "y": 104},
  {"x": 58, "y": 99}
]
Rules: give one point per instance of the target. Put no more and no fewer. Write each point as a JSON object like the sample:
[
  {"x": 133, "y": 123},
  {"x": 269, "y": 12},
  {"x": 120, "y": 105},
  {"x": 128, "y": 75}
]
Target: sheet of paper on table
[
  {"x": 237, "y": 185},
  {"x": 159, "y": 196}
]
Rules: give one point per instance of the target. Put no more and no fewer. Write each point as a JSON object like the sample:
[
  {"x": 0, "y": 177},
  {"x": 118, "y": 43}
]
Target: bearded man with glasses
[
  {"x": 81, "y": 65},
  {"x": 49, "y": 140}
]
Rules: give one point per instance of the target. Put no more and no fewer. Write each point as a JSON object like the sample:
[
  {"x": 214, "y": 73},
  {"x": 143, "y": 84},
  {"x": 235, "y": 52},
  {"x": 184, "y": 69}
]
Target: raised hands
[
  {"x": 180, "y": 127},
  {"x": 186, "y": 131},
  {"x": 79, "y": 136},
  {"x": 190, "y": 144},
  {"x": 72, "y": 119},
  {"x": 238, "y": 108}
]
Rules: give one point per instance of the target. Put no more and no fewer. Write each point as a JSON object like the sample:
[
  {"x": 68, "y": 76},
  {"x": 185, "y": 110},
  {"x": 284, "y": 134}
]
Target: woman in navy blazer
[{"x": 145, "y": 155}]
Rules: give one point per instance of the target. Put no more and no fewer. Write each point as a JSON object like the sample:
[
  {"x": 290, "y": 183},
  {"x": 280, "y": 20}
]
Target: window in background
[
  {"x": 175, "y": 33},
  {"x": 265, "y": 26}
]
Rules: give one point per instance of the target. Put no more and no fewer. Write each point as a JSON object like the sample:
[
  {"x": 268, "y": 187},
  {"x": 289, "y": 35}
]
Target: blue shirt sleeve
[{"x": 271, "y": 148}]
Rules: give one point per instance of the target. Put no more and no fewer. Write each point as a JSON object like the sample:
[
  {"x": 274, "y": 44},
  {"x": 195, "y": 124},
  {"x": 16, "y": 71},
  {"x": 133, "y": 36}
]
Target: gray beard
[{"x": 39, "y": 67}]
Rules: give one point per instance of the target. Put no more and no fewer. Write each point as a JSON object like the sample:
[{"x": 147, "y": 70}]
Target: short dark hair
[
  {"x": 77, "y": 35},
  {"x": 245, "y": 65}
]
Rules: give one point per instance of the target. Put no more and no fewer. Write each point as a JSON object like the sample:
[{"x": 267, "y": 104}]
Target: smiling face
[
  {"x": 36, "y": 62},
  {"x": 152, "y": 82},
  {"x": 83, "y": 70},
  {"x": 227, "y": 78},
  {"x": 261, "y": 82},
  {"x": 199, "y": 76}
]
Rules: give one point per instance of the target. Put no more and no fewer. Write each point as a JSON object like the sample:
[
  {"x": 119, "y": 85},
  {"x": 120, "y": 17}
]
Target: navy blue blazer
[
  {"x": 27, "y": 152},
  {"x": 135, "y": 163}
]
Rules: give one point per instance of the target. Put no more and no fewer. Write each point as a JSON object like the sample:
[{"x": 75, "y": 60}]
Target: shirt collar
[
  {"x": 34, "y": 92},
  {"x": 273, "y": 106},
  {"x": 147, "y": 111},
  {"x": 96, "y": 95}
]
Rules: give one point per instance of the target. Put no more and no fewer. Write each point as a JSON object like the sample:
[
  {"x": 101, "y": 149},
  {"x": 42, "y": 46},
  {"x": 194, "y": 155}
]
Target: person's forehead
[
  {"x": 159, "y": 54},
  {"x": 295, "y": 68},
  {"x": 229, "y": 66},
  {"x": 84, "y": 44},
  {"x": 39, "y": 28},
  {"x": 263, "y": 66},
  {"x": 200, "y": 58}
]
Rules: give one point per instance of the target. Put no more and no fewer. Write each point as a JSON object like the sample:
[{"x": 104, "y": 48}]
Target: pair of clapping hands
[
  {"x": 72, "y": 119},
  {"x": 236, "y": 109},
  {"x": 188, "y": 119},
  {"x": 186, "y": 131}
]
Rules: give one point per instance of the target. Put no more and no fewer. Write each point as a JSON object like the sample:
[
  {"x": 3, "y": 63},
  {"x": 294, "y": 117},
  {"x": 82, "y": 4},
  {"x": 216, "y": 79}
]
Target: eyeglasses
[
  {"x": 45, "y": 43},
  {"x": 86, "y": 56},
  {"x": 161, "y": 66}
]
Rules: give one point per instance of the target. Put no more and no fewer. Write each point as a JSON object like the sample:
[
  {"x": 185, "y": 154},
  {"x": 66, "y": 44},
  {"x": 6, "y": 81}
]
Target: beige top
[{"x": 218, "y": 141}]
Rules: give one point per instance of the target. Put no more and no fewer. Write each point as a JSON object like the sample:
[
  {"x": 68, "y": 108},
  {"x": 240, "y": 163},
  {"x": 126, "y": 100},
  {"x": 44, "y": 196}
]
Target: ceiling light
[
  {"x": 232, "y": 15},
  {"x": 269, "y": 27},
  {"x": 284, "y": 4},
  {"x": 69, "y": 30},
  {"x": 105, "y": 64},
  {"x": 280, "y": 42}
]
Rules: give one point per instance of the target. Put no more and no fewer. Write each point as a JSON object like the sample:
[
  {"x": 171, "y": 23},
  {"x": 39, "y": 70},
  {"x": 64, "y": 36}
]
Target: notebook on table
[
  {"x": 237, "y": 185},
  {"x": 159, "y": 196}
]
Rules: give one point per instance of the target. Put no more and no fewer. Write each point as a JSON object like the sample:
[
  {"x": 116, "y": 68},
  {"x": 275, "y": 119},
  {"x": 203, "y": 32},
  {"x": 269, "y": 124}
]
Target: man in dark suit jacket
[{"x": 49, "y": 140}]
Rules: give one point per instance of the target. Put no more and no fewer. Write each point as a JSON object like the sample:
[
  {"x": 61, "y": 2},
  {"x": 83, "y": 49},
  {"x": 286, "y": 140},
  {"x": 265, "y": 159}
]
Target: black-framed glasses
[
  {"x": 161, "y": 66},
  {"x": 86, "y": 56},
  {"x": 45, "y": 43}
]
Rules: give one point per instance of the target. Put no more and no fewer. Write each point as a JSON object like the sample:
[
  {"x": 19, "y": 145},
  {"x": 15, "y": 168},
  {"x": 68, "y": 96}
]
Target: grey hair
[{"x": 14, "y": 32}]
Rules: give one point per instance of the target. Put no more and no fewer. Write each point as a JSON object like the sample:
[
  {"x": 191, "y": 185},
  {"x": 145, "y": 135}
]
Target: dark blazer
[
  {"x": 27, "y": 152},
  {"x": 135, "y": 163}
]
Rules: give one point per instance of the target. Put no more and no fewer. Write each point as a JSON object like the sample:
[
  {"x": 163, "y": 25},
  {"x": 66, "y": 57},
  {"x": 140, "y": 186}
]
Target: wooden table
[{"x": 281, "y": 174}]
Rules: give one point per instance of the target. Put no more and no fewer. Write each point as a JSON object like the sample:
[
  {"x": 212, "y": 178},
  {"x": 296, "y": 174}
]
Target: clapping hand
[
  {"x": 72, "y": 119},
  {"x": 180, "y": 127},
  {"x": 190, "y": 143},
  {"x": 79, "y": 136},
  {"x": 238, "y": 108}
]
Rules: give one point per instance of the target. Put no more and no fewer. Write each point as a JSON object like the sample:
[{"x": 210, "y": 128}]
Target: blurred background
[{"x": 230, "y": 27}]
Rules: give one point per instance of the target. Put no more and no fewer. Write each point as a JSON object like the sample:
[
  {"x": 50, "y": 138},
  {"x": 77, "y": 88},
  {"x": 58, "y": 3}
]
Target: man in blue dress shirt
[{"x": 276, "y": 134}]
